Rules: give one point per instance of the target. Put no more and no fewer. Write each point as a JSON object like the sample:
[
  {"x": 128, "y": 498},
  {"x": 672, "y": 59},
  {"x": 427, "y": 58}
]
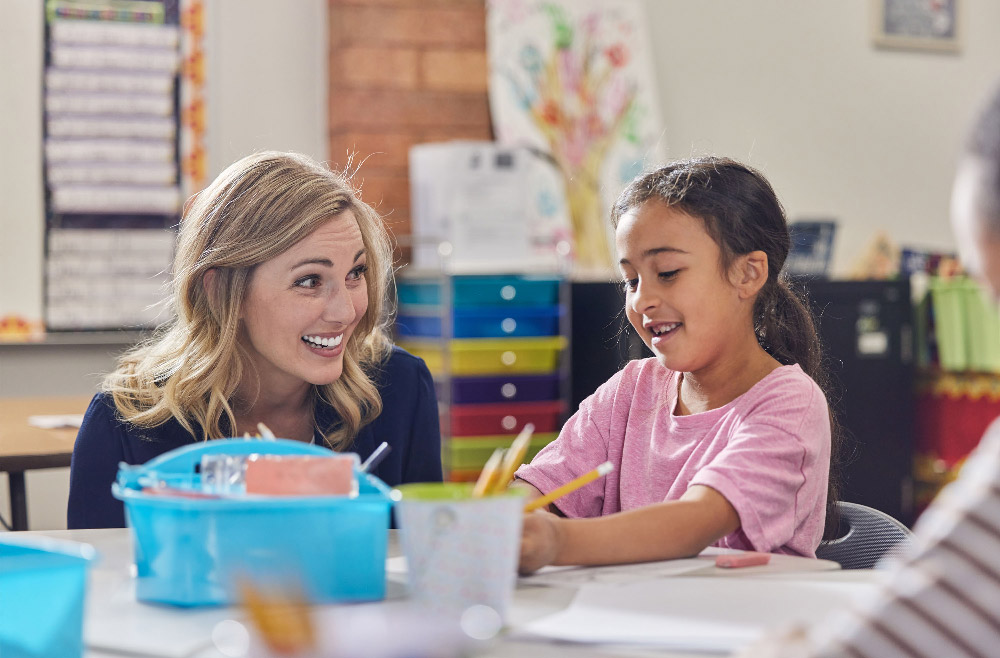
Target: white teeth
[
  {"x": 317, "y": 341},
  {"x": 664, "y": 328}
]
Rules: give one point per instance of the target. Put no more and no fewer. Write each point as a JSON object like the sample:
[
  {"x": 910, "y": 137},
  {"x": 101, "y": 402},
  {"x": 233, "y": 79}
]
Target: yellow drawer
[{"x": 487, "y": 357}]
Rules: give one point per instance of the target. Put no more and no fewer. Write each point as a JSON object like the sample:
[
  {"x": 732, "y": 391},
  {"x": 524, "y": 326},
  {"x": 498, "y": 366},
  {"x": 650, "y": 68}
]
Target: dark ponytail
[
  {"x": 742, "y": 214},
  {"x": 785, "y": 327},
  {"x": 787, "y": 331}
]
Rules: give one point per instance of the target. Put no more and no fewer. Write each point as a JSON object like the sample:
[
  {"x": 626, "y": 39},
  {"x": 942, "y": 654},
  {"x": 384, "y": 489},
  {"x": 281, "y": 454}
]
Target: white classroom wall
[
  {"x": 267, "y": 71},
  {"x": 843, "y": 130},
  {"x": 22, "y": 212}
]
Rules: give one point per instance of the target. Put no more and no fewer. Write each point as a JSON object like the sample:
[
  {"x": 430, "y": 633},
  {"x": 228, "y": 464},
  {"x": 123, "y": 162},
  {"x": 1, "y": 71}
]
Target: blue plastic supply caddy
[
  {"x": 43, "y": 583},
  {"x": 193, "y": 551}
]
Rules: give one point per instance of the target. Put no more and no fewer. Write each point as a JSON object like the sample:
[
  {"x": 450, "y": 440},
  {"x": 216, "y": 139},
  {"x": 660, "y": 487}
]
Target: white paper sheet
[
  {"x": 56, "y": 421},
  {"x": 692, "y": 614},
  {"x": 621, "y": 574}
]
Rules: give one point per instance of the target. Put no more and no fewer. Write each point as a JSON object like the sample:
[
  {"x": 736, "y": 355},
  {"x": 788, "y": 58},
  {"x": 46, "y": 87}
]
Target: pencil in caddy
[{"x": 193, "y": 549}]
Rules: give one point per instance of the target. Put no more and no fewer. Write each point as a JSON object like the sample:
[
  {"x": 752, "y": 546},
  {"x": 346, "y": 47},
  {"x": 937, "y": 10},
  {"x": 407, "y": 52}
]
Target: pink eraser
[
  {"x": 733, "y": 560},
  {"x": 287, "y": 475}
]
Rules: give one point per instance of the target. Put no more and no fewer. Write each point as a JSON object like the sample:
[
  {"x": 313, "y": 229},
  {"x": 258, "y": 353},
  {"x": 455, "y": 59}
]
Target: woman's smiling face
[{"x": 303, "y": 304}]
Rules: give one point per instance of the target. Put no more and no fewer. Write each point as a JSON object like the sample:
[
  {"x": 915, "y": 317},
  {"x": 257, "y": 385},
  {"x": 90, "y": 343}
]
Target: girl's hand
[{"x": 541, "y": 540}]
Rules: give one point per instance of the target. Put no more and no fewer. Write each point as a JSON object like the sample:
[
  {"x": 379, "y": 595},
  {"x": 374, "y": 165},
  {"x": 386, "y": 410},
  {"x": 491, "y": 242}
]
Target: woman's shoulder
[
  {"x": 103, "y": 413},
  {"x": 401, "y": 375},
  {"x": 401, "y": 359},
  {"x": 409, "y": 401},
  {"x": 103, "y": 408},
  {"x": 399, "y": 365}
]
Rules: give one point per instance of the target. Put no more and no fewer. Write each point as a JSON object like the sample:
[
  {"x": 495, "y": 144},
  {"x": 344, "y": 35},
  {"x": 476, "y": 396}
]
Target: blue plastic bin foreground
[
  {"x": 43, "y": 583},
  {"x": 194, "y": 551}
]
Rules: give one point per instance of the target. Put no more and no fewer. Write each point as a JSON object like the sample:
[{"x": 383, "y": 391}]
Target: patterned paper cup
[{"x": 461, "y": 551}]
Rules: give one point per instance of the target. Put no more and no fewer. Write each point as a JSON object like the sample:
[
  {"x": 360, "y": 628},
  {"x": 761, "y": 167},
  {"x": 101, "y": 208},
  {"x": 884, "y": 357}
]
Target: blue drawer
[
  {"x": 416, "y": 321},
  {"x": 478, "y": 291}
]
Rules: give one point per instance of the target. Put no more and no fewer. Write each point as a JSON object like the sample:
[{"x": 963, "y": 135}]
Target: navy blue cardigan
[{"x": 408, "y": 422}]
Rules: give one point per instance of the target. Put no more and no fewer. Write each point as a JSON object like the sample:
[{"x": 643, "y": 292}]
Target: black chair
[{"x": 865, "y": 536}]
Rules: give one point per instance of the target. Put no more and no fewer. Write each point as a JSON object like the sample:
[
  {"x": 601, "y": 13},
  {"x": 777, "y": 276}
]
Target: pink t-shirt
[{"x": 767, "y": 452}]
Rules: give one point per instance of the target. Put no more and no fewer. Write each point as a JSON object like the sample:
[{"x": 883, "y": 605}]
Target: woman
[{"x": 280, "y": 292}]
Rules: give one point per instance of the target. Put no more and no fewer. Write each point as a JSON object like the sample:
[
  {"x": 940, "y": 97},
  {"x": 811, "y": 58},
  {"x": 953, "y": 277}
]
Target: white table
[{"x": 112, "y": 609}]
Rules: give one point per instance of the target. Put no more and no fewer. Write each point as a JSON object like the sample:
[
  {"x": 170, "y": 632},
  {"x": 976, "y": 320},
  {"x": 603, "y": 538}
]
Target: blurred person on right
[{"x": 943, "y": 599}]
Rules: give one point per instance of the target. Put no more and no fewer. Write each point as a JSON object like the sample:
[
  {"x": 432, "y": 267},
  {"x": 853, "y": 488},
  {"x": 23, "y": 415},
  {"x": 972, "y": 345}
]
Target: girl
[
  {"x": 724, "y": 437},
  {"x": 280, "y": 289}
]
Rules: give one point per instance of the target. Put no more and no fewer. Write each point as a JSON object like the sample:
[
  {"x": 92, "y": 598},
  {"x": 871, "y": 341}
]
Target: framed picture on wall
[{"x": 916, "y": 24}]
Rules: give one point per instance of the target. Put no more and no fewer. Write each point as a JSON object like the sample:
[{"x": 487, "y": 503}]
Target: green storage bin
[
  {"x": 983, "y": 330},
  {"x": 966, "y": 325},
  {"x": 948, "y": 300},
  {"x": 470, "y": 454}
]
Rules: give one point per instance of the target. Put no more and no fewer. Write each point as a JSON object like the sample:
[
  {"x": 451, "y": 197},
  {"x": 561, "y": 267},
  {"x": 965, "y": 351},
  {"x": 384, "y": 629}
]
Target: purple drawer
[{"x": 522, "y": 388}]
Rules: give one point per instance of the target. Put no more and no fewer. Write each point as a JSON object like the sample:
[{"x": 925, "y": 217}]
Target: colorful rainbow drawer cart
[{"x": 496, "y": 346}]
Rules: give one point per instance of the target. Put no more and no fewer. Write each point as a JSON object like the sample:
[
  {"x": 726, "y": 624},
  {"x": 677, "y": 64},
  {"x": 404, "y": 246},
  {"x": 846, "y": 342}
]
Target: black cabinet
[
  {"x": 866, "y": 329},
  {"x": 602, "y": 340}
]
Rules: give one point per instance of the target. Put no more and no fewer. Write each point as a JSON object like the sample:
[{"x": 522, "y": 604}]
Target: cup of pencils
[{"x": 462, "y": 541}]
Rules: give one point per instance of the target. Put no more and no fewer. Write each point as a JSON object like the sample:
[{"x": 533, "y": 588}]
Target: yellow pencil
[
  {"x": 488, "y": 475},
  {"x": 513, "y": 458},
  {"x": 569, "y": 487},
  {"x": 284, "y": 620}
]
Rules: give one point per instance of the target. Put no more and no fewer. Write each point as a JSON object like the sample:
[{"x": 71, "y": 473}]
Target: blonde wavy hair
[{"x": 256, "y": 209}]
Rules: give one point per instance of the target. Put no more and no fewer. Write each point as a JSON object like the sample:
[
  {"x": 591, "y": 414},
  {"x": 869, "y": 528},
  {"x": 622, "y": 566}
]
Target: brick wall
[{"x": 403, "y": 72}]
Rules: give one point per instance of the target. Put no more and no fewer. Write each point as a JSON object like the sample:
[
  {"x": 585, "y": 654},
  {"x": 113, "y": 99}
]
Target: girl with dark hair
[{"x": 724, "y": 438}]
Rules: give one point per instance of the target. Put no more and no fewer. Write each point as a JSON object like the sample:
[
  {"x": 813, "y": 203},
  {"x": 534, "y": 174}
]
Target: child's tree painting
[{"x": 572, "y": 78}]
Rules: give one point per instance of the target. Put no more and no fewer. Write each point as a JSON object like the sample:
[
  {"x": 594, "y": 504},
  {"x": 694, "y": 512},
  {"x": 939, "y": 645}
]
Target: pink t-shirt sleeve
[
  {"x": 774, "y": 470},
  {"x": 581, "y": 446}
]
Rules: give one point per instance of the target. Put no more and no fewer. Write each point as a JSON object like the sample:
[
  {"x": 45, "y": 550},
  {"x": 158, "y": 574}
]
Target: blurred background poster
[
  {"x": 812, "y": 248},
  {"x": 573, "y": 79}
]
